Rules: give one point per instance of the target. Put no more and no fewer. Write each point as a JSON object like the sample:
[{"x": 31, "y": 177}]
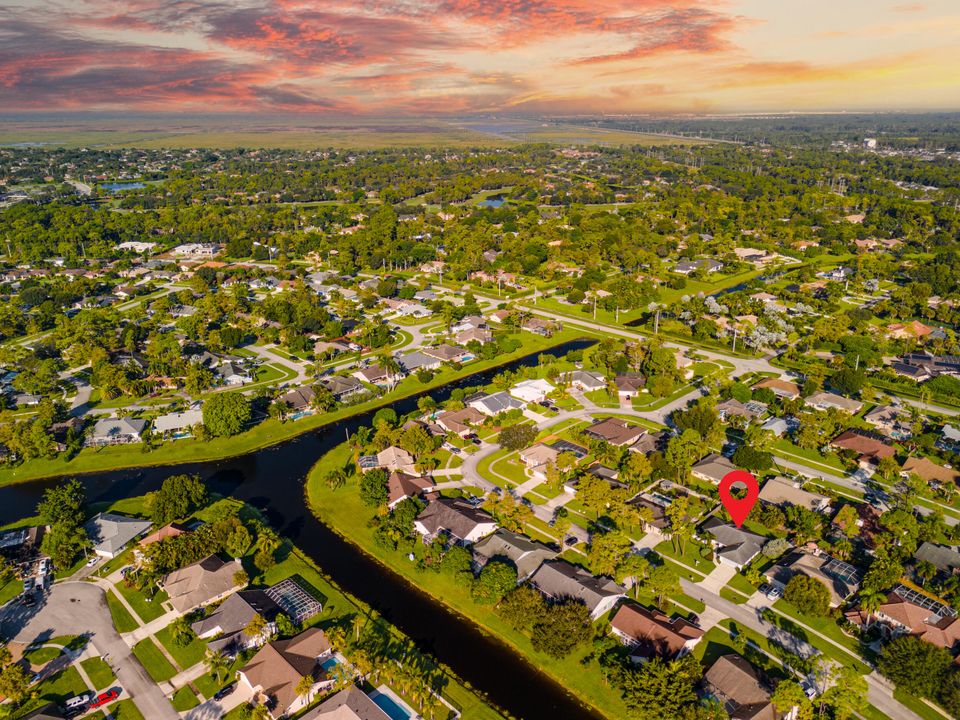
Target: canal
[{"x": 273, "y": 480}]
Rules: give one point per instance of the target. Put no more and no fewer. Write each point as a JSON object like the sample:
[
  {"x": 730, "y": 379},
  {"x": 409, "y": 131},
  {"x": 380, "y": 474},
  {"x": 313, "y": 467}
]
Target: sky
[{"x": 457, "y": 57}]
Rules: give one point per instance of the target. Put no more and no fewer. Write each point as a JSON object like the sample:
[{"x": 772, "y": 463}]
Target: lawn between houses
[
  {"x": 343, "y": 511},
  {"x": 269, "y": 432}
]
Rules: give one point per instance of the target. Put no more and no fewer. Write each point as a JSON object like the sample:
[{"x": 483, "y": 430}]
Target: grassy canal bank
[
  {"x": 269, "y": 432},
  {"x": 343, "y": 512}
]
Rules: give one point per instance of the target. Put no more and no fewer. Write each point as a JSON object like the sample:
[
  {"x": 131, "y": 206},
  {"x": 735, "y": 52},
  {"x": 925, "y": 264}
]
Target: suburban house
[
  {"x": 393, "y": 458},
  {"x": 949, "y": 439},
  {"x": 205, "y": 581},
  {"x": 460, "y": 422},
  {"x": 116, "y": 431},
  {"x": 342, "y": 387},
  {"x": 349, "y": 704},
  {"x": 176, "y": 423},
  {"x": 523, "y": 552},
  {"x": 167, "y": 531},
  {"x": 782, "y": 491},
  {"x": 734, "y": 546},
  {"x": 457, "y": 518},
  {"x": 537, "y": 458},
  {"x": 401, "y": 486},
  {"x": 377, "y": 375},
  {"x": 446, "y": 353},
  {"x": 841, "y": 579},
  {"x": 780, "y": 388},
  {"x": 273, "y": 674},
  {"x": 534, "y": 391},
  {"x": 496, "y": 403},
  {"x": 826, "y": 400},
  {"x": 651, "y": 633},
  {"x": 740, "y": 688},
  {"x": 615, "y": 431},
  {"x": 629, "y": 385},
  {"x": 870, "y": 447},
  {"x": 650, "y": 442},
  {"x": 225, "y": 628},
  {"x": 110, "y": 533},
  {"x": 713, "y": 468},
  {"x": 908, "y": 612},
  {"x": 416, "y": 360},
  {"x": 749, "y": 411},
  {"x": 708, "y": 265},
  {"x": 780, "y": 426},
  {"x": 891, "y": 420},
  {"x": 558, "y": 579},
  {"x": 539, "y": 326},
  {"x": 929, "y": 471},
  {"x": 298, "y": 399},
  {"x": 584, "y": 380},
  {"x": 943, "y": 558}
]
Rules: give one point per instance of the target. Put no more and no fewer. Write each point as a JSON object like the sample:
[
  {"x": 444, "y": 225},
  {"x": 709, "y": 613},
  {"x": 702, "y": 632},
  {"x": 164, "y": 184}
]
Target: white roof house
[
  {"x": 110, "y": 533},
  {"x": 178, "y": 421},
  {"x": 532, "y": 390}
]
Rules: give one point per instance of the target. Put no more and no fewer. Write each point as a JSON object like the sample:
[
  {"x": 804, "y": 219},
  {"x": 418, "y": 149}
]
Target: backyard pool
[{"x": 390, "y": 704}]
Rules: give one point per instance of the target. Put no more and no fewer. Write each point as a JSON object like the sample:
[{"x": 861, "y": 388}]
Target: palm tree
[
  {"x": 391, "y": 367},
  {"x": 870, "y": 601},
  {"x": 217, "y": 664},
  {"x": 304, "y": 686},
  {"x": 926, "y": 570}
]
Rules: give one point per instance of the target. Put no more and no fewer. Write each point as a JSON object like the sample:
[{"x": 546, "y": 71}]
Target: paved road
[
  {"x": 80, "y": 608},
  {"x": 879, "y": 691}
]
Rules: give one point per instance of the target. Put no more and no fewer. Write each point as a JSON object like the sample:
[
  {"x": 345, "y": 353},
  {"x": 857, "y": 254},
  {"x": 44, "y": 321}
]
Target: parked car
[
  {"x": 93, "y": 561},
  {"x": 809, "y": 689},
  {"x": 224, "y": 691},
  {"x": 78, "y": 703},
  {"x": 774, "y": 593},
  {"x": 570, "y": 541},
  {"x": 107, "y": 696}
]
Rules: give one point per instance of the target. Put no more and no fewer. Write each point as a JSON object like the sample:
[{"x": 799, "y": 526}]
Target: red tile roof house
[
  {"x": 870, "y": 447},
  {"x": 650, "y": 632},
  {"x": 907, "y": 612},
  {"x": 272, "y": 675}
]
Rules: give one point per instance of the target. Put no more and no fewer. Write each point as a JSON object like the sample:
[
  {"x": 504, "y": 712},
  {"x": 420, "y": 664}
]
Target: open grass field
[{"x": 293, "y": 134}]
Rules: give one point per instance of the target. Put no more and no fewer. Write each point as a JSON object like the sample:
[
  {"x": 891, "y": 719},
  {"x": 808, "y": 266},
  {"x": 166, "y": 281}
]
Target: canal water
[{"x": 273, "y": 481}]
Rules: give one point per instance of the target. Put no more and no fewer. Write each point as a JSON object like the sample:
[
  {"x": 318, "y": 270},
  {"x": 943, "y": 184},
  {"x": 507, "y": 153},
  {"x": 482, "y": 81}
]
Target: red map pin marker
[{"x": 739, "y": 508}]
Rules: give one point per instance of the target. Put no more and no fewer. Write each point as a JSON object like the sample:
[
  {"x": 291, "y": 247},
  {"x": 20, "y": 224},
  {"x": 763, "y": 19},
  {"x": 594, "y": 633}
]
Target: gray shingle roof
[{"x": 110, "y": 533}]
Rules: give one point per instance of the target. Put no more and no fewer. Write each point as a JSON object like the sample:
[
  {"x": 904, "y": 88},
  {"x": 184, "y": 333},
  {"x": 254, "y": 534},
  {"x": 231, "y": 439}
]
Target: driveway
[{"x": 80, "y": 608}]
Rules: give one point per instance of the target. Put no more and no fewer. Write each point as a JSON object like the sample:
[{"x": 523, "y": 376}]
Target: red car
[{"x": 104, "y": 698}]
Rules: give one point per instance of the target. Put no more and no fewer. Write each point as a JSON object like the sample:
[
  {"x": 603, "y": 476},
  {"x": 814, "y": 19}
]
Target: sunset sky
[{"x": 419, "y": 57}]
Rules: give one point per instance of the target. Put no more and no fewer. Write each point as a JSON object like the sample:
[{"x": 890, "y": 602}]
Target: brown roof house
[
  {"x": 908, "y": 612},
  {"x": 781, "y": 491},
  {"x": 272, "y": 675},
  {"x": 629, "y": 385},
  {"x": 650, "y": 632},
  {"x": 927, "y": 470},
  {"x": 537, "y": 458},
  {"x": 713, "y": 468},
  {"x": 615, "y": 431},
  {"x": 870, "y": 447},
  {"x": 401, "y": 486},
  {"x": 741, "y": 689},
  {"x": 201, "y": 583},
  {"x": 780, "y": 388},
  {"x": 459, "y": 519},
  {"x": 461, "y": 422}
]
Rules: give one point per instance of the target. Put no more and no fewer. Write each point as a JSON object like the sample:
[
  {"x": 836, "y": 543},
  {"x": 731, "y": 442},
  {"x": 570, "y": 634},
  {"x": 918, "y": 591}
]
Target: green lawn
[
  {"x": 99, "y": 672},
  {"x": 794, "y": 621},
  {"x": 695, "y": 556},
  {"x": 154, "y": 661},
  {"x": 147, "y": 608},
  {"x": 343, "y": 511},
  {"x": 184, "y": 699},
  {"x": 60, "y": 687},
  {"x": 123, "y": 621},
  {"x": 125, "y": 710},
  {"x": 186, "y": 657},
  {"x": 9, "y": 591},
  {"x": 42, "y": 656}
]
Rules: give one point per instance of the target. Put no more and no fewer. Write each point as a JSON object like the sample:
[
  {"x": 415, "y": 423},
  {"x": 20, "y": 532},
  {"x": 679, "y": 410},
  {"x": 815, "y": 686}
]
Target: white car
[{"x": 93, "y": 561}]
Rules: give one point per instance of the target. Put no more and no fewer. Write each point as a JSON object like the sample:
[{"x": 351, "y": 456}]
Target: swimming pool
[
  {"x": 329, "y": 664},
  {"x": 390, "y": 706}
]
